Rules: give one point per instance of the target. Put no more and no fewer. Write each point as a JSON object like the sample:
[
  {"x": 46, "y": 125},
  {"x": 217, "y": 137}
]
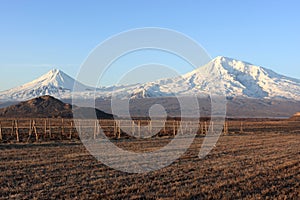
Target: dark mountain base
[
  {"x": 236, "y": 107},
  {"x": 49, "y": 107}
]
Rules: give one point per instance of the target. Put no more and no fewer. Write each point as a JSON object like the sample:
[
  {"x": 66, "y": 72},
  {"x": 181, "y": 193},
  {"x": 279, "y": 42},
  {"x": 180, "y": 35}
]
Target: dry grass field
[{"x": 263, "y": 162}]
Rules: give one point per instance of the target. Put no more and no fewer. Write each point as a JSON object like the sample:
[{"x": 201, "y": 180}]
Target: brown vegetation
[
  {"x": 262, "y": 162},
  {"x": 249, "y": 167}
]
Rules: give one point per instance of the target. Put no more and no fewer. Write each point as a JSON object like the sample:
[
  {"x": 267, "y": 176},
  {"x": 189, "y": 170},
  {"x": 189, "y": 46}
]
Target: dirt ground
[{"x": 253, "y": 165}]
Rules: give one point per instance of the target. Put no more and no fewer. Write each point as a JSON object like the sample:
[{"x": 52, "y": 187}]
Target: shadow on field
[{"x": 30, "y": 145}]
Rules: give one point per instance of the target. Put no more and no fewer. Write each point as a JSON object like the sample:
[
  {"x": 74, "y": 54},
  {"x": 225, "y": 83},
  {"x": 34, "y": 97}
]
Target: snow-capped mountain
[
  {"x": 55, "y": 83},
  {"x": 237, "y": 78},
  {"x": 221, "y": 76}
]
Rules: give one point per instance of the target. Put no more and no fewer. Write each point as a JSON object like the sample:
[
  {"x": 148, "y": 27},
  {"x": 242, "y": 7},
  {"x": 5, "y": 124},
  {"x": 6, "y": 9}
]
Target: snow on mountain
[
  {"x": 55, "y": 83},
  {"x": 221, "y": 76},
  {"x": 242, "y": 79}
]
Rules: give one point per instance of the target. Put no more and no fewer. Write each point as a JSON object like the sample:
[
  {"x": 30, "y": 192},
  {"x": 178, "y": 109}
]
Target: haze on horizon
[{"x": 37, "y": 36}]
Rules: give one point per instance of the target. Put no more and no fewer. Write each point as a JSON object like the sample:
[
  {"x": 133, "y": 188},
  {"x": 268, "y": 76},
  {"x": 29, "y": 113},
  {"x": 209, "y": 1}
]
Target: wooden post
[
  {"x": 119, "y": 129},
  {"x": 45, "y": 128},
  {"x": 150, "y": 126},
  {"x": 180, "y": 131},
  {"x": 49, "y": 125},
  {"x": 70, "y": 136},
  {"x": 62, "y": 127},
  {"x": 99, "y": 130},
  {"x": 12, "y": 128},
  {"x": 0, "y": 132},
  {"x": 79, "y": 128},
  {"x": 132, "y": 128},
  {"x": 139, "y": 128},
  {"x": 30, "y": 131},
  {"x": 17, "y": 130},
  {"x": 95, "y": 130},
  {"x": 35, "y": 131},
  {"x": 174, "y": 129},
  {"x": 225, "y": 128},
  {"x": 241, "y": 130},
  {"x": 115, "y": 128}
]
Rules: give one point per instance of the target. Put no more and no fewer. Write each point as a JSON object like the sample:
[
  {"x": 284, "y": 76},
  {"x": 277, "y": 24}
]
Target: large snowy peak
[
  {"x": 224, "y": 76},
  {"x": 244, "y": 79}
]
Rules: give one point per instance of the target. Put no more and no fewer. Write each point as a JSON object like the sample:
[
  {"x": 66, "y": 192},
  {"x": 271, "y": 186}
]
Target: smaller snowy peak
[
  {"x": 58, "y": 79},
  {"x": 54, "y": 71},
  {"x": 55, "y": 83},
  {"x": 55, "y": 78}
]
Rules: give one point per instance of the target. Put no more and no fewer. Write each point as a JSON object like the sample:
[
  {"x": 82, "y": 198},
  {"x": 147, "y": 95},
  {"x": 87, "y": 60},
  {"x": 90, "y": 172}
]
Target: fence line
[{"x": 33, "y": 130}]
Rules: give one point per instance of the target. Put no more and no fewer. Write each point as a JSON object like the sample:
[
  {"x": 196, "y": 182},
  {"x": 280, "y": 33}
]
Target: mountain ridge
[
  {"x": 222, "y": 76},
  {"x": 225, "y": 77}
]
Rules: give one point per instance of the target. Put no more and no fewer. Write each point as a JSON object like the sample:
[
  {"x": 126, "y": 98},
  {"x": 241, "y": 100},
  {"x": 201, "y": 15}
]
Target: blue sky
[{"x": 37, "y": 36}]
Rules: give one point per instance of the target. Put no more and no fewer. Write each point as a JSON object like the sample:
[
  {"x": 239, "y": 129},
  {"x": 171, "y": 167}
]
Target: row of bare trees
[{"x": 34, "y": 130}]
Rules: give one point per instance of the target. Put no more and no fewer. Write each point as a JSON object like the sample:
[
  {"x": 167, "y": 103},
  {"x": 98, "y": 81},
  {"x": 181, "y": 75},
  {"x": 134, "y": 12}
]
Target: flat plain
[{"x": 260, "y": 163}]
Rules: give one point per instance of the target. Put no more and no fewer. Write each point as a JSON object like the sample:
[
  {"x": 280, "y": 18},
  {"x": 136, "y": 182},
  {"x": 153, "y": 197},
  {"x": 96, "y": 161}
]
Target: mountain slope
[
  {"x": 224, "y": 76},
  {"x": 49, "y": 107},
  {"x": 236, "y": 107},
  {"x": 55, "y": 83}
]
